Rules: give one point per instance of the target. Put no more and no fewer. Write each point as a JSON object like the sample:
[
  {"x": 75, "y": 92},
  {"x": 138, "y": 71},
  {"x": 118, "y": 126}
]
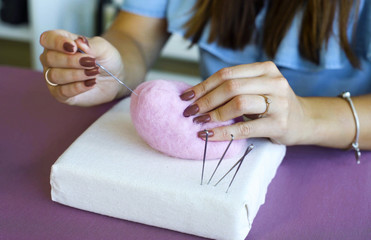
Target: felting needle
[
  {"x": 105, "y": 69},
  {"x": 239, "y": 163},
  {"x": 204, "y": 158},
  {"x": 221, "y": 159}
]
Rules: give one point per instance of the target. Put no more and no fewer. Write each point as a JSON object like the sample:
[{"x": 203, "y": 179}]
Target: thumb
[{"x": 83, "y": 44}]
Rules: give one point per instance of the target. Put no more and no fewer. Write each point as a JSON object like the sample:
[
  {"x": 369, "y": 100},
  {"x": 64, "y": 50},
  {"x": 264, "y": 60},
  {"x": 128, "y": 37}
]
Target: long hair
[{"x": 232, "y": 24}]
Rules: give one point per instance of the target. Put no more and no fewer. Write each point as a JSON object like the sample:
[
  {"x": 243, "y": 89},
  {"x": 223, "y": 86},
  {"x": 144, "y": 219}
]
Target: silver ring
[
  {"x": 267, "y": 102},
  {"x": 47, "y": 80}
]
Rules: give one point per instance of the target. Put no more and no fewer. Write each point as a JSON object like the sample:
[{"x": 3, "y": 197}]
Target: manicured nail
[
  {"x": 87, "y": 62},
  {"x": 68, "y": 47},
  {"x": 191, "y": 110},
  {"x": 84, "y": 40},
  {"x": 187, "y": 95},
  {"x": 202, "y": 134},
  {"x": 90, "y": 82},
  {"x": 91, "y": 72},
  {"x": 202, "y": 119}
]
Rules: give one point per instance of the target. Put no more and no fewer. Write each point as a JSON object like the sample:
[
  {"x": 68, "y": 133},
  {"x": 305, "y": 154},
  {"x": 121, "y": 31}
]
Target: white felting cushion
[{"x": 110, "y": 170}]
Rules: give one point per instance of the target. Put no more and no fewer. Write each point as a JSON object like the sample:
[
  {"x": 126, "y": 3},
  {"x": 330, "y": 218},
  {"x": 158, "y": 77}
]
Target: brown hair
[{"x": 232, "y": 24}]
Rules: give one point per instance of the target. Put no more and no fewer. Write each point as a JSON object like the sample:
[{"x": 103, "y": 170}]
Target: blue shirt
[{"x": 332, "y": 76}]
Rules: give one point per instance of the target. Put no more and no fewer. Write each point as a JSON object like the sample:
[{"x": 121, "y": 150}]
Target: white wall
[{"x": 77, "y": 16}]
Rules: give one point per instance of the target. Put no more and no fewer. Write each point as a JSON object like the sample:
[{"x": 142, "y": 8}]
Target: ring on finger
[
  {"x": 47, "y": 80},
  {"x": 267, "y": 103}
]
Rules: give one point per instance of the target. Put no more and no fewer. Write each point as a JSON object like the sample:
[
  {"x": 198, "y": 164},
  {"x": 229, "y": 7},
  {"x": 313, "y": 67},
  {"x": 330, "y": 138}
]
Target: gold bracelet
[{"x": 355, "y": 146}]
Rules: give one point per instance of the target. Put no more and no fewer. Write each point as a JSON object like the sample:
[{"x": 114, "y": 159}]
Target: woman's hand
[
  {"x": 78, "y": 78},
  {"x": 249, "y": 90}
]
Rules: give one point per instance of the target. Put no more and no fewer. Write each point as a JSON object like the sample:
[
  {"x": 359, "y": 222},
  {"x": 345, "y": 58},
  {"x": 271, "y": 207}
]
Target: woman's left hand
[{"x": 250, "y": 90}]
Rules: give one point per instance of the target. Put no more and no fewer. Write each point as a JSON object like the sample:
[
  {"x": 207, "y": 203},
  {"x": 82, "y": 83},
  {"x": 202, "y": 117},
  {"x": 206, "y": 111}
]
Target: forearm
[
  {"x": 330, "y": 122},
  {"x": 134, "y": 66},
  {"x": 363, "y": 107},
  {"x": 139, "y": 41}
]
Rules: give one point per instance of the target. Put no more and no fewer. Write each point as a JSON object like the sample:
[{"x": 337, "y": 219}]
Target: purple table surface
[{"x": 318, "y": 193}]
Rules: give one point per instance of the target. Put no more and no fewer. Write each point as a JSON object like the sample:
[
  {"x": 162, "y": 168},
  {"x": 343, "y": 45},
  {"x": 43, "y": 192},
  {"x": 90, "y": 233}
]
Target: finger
[
  {"x": 232, "y": 88},
  {"x": 252, "y": 70},
  {"x": 64, "y": 92},
  {"x": 63, "y": 76},
  {"x": 98, "y": 46},
  {"x": 238, "y": 106},
  {"x": 261, "y": 127},
  {"x": 82, "y": 43},
  {"x": 56, "y": 59},
  {"x": 59, "y": 40}
]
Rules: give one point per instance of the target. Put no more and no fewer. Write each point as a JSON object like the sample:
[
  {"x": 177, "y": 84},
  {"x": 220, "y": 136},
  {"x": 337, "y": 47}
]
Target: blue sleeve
[
  {"x": 362, "y": 40},
  {"x": 153, "y": 8},
  {"x": 368, "y": 30}
]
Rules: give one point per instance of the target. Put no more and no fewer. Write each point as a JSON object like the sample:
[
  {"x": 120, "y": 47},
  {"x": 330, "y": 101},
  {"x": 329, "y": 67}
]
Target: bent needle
[
  {"x": 239, "y": 163},
  {"x": 232, "y": 137}
]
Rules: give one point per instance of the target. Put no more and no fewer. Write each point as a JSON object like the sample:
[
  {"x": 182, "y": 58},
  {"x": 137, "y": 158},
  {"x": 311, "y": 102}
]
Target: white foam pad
[{"x": 110, "y": 170}]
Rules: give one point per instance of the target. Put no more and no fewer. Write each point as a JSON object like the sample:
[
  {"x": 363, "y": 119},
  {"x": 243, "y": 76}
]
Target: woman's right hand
[{"x": 80, "y": 81}]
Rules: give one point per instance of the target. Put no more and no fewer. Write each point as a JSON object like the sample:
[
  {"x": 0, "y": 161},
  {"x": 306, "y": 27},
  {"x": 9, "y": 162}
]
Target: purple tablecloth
[{"x": 318, "y": 193}]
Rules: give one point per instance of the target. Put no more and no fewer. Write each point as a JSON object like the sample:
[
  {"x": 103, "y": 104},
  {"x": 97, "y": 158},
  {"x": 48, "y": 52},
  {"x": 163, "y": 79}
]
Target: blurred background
[{"x": 22, "y": 22}]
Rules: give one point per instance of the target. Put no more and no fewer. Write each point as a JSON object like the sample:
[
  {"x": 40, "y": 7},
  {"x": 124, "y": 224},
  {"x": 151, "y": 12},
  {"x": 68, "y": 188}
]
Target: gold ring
[
  {"x": 267, "y": 102},
  {"x": 47, "y": 80}
]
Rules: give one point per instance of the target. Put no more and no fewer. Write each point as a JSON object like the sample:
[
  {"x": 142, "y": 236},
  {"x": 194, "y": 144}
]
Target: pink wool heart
[{"x": 157, "y": 114}]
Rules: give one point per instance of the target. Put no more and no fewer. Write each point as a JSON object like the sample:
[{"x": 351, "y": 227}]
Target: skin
[
  {"x": 290, "y": 120},
  {"x": 132, "y": 44},
  {"x": 127, "y": 49}
]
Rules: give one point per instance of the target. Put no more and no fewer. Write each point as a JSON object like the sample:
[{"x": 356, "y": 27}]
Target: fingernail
[
  {"x": 87, "y": 62},
  {"x": 202, "y": 119},
  {"x": 191, "y": 110},
  {"x": 90, "y": 82},
  {"x": 202, "y": 134},
  {"x": 68, "y": 47},
  {"x": 91, "y": 72},
  {"x": 187, "y": 95},
  {"x": 84, "y": 40}
]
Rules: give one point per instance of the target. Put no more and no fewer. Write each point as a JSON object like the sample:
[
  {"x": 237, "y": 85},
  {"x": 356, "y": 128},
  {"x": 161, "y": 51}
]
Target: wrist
[{"x": 328, "y": 122}]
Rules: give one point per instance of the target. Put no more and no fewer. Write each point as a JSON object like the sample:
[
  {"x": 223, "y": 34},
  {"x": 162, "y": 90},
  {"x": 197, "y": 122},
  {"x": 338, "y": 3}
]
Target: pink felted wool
[{"x": 157, "y": 114}]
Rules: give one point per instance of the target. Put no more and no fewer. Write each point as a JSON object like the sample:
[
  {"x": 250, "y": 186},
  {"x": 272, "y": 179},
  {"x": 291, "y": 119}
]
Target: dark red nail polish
[
  {"x": 87, "y": 62},
  {"x": 68, "y": 47},
  {"x": 90, "y": 82},
  {"x": 202, "y": 134},
  {"x": 202, "y": 119},
  {"x": 191, "y": 110},
  {"x": 187, "y": 95},
  {"x": 84, "y": 40},
  {"x": 91, "y": 72}
]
